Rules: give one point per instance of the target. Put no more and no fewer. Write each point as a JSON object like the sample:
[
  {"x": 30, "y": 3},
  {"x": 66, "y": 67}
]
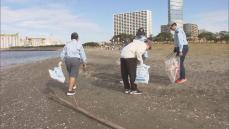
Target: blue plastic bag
[
  {"x": 57, "y": 73},
  {"x": 142, "y": 74}
]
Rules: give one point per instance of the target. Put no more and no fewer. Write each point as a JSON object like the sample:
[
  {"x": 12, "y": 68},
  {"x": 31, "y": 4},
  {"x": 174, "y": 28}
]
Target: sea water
[{"x": 8, "y": 58}]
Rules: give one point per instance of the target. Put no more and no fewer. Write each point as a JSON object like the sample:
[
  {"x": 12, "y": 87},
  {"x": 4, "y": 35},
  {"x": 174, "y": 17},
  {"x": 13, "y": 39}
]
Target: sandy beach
[{"x": 201, "y": 103}]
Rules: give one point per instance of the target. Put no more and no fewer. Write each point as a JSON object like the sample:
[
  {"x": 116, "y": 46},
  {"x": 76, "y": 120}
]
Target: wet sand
[{"x": 201, "y": 103}]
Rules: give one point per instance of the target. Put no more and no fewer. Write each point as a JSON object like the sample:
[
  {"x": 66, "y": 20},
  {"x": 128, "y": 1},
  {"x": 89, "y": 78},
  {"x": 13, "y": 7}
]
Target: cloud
[
  {"x": 214, "y": 21},
  {"x": 50, "y": 19}
]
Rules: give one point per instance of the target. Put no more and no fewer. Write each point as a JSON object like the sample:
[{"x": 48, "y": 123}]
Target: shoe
[
  {"x": 179, "y": 81},
  {"x": 136, "y": 92},
  {"x": 127, "y": 91},
  {"x": 74, "y": 87},
  {"x": 69, "y": 93}
]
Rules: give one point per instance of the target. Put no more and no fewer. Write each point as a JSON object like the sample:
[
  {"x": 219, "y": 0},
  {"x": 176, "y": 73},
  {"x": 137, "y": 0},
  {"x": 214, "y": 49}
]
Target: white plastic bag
[
  {"x": 172, "y": 67},
  {"x": 57, "y": 73},
  {"x": 142, "y": 74}
]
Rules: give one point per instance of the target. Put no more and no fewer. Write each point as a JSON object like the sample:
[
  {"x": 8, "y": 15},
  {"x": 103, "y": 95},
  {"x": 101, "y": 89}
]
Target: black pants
[
  {"x": 128, "y": 70},
  {"x": 182, "y": 58}
]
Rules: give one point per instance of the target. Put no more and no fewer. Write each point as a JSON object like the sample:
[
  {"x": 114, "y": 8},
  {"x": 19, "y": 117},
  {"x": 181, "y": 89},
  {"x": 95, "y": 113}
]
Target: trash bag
[
  {"x": 57, "y": 73},
  {"x": 142, "y": 74},
  {"x": 172, "y": 67}
]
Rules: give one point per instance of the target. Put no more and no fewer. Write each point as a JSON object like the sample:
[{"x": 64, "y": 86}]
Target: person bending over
[{"x": 130, "y": 56}]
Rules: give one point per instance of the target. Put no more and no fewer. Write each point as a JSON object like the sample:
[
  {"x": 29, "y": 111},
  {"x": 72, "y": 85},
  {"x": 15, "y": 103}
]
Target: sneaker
[
  {"x": 69, "y": 93},
  {"x": 74, "y": 87},
  {"x": 136, "y": 92},
  {"x": 179, "y": 81},
  {"x": 127, "y": 91}
]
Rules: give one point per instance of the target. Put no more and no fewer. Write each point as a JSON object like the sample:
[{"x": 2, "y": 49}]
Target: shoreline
[
  {"x": 26, "y": 63},
  {"x": 33, "y": 49}
]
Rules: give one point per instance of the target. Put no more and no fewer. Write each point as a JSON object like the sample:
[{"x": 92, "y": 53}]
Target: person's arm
[
  {"x": 83, "y": 55},
  {"x": 139, "y": 57},
  {"x": 180, "y": 40},
  {"x": 63, "y": 53},
  {"x": 139, "y": 53}
]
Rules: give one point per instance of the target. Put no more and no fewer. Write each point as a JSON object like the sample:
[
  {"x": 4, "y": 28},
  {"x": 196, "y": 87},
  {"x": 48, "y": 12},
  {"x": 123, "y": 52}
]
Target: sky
[{"x": 93, "y": 19}]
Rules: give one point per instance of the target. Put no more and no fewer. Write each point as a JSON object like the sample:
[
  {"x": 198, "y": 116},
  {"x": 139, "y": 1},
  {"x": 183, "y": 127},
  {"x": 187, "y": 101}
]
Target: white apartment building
[
  {"x": 10, "y": 40},
  {"x": 41, "y": 41},
  {"x": 129, "y": 23},
  {"x": 13, "y": 40}
]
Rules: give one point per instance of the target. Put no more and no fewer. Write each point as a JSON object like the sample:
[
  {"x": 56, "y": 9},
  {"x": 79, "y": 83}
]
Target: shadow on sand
[
  {"x": 109, "y": 81},
  {"x": 160, "y": 80},
  {"x": 53, "y": 85}
]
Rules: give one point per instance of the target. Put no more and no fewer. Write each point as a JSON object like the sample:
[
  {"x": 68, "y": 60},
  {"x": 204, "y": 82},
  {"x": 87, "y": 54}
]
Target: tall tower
[{"x": 176, "y": 12}]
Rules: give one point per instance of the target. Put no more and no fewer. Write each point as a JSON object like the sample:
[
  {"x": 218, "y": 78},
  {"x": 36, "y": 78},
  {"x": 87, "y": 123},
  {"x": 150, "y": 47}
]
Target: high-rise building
[
  {"x": 176, "y": 12},
  {"x": 191, "y": 30},
  {"x": 129, "y": 23}
]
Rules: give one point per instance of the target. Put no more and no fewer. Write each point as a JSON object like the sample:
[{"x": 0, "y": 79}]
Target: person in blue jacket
[
  {"x": 73, "y": 54},
  {"x": 181, "y": 48}
]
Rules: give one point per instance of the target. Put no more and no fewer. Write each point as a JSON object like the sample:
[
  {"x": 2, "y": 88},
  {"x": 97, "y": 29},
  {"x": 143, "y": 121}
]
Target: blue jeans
[{"x": 182, "y": 58}]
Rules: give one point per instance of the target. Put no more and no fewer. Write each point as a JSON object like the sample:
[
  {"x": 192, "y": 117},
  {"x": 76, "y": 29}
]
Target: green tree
[
  {"x": 207, "y": 36},
  {"x": 122, "y": 38},
  {"x": 164, "y": 36},
  {"x": 224, "y": 35},
  {"x": 91, "y": 44}
]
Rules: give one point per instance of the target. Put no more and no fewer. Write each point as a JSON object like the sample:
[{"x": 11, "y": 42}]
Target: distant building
[
  {"x": 10, "y": 40},
  {"x": 191, "y": 30},
  {"x": 129, "y": 23},
  {"x": 35, "y": 42},
  {"x": 175, "y": 12},
  {"x": 13, "y": 40},
  {"x": 164, "y": 28}
]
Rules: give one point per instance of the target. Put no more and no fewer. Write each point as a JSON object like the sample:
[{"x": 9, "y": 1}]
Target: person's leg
[
  {"x": 182, "y": 69},
  {"x": 69, "y": 68},
  {"x": 124, "y": 74},
  {"x": 132, "y": 66},
  {"x": 182, "y": 59},
  {"x": 76, "y": 67},
  {"x": 71, "y": 83}
]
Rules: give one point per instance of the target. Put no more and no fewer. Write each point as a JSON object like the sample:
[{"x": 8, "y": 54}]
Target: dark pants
[
  {"x": 182, "y": 58},
  {"x": 128, "y": 70}
]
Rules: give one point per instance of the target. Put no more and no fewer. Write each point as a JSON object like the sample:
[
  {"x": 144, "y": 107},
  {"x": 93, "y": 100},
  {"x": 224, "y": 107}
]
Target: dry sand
[{"x": 201, "y": 103}]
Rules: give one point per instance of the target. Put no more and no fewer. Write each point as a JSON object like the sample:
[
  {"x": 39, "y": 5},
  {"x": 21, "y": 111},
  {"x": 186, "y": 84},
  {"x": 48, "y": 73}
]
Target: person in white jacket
[{"x": 131, "y": 55}]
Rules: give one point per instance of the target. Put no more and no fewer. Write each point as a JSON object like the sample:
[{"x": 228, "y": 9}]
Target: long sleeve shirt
[
  {"x": 134, "y": 50},
  {"x": 73, "y": 49},
  {"x": 143, "y": 39},
  {"x": 180, "y": 39}
]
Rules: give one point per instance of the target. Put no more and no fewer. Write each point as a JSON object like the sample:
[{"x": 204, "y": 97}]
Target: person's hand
[
  {"x": 180, "y": 53},
  {"x": 174, "y": 50},
  {"x": 60, "y": 63},
  {"x": 84, "y": 67}
]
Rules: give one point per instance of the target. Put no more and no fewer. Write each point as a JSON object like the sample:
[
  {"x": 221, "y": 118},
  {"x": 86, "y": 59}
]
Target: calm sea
[{"x": 9, "y": 58}]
